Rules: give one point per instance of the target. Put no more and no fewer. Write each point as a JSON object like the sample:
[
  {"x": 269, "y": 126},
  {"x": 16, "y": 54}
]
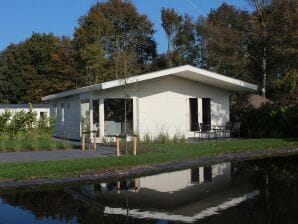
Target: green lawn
[
  {"x": 7, "y": 145},
  {"x": 163, "y": 153}
]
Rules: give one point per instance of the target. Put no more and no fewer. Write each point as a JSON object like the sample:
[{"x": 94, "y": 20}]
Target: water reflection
[{"x": 261, "y": 191}]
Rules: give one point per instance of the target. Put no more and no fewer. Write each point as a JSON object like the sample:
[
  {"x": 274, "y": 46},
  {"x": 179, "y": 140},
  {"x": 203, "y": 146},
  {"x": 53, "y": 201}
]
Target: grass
[
  {"x": 164, "y": 153},
  {"x": 9, "y": 145}
]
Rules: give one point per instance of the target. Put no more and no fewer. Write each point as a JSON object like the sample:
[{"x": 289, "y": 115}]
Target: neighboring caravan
[
  {"x": 168, "y": 101},
  {"x": 41, "y": 110}
]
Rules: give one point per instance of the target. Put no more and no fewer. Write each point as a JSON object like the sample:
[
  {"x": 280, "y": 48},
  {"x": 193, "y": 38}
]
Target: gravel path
[{"x": 55, "y": 154}]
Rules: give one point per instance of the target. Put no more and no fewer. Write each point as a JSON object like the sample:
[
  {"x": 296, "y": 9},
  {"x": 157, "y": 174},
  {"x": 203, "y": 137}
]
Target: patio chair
[
  {"x": 227, "y": 130},
  {"x": 235, "y": 130}
]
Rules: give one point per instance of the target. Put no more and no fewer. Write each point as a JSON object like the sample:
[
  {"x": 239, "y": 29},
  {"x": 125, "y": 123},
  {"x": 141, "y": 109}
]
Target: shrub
[
  {"x": 24, "y": 125},
  {"x": 4, "y": 120},
  {"x": 269, "y": 121}
]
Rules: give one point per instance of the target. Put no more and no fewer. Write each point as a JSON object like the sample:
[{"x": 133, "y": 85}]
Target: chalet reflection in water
[{"x": 185, "y": 196}]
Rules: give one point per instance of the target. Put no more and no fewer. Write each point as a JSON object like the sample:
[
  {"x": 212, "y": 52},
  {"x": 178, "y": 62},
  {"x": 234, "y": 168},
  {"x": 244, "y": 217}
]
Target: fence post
[
  {"x": 83, "y": 141},
  {"x": 135, "y": 145},
  {"x": 118, "y": 145}
]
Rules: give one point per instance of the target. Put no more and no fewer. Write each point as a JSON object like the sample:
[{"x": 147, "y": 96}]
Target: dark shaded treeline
[{"x": 113, "y": 40}]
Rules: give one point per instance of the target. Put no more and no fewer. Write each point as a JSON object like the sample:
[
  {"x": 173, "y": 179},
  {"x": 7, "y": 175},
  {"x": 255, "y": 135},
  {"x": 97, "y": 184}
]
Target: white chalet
[{"x": 169, "y": 100}]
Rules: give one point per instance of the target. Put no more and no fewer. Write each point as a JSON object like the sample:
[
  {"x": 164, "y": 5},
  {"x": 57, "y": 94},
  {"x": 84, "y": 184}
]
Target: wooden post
[
  {"x": 83, "y": 141},
  {"x": 94, "y": 140},
  {"x": 118, "y": 187},
  {"x": 118, "y": 145},
  {"x": 135, "y": 145},
  {"x": 137, "y": 184}
]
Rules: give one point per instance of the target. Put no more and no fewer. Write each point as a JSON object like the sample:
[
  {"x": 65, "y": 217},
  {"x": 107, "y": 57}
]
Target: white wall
[
  {"x": 70, "y": 128},
  {"x": 164, "y": 105}
]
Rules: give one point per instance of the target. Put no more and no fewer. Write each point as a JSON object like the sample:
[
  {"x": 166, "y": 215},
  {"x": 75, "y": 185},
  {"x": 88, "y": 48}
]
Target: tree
[
  {"x": 260, "y": 46},
  {"x": 181, "y": 38},
  {"x": 224, "y": 33},
  {"x": 171, "y": 23},
  {"x": 125, "y": 35},
  {"x": 274, "y": 43},
  {"x": 41, "y": 65}
]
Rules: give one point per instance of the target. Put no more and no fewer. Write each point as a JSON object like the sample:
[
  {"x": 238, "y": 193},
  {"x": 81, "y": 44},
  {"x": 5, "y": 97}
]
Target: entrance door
[{"x": 193, "y": 109}]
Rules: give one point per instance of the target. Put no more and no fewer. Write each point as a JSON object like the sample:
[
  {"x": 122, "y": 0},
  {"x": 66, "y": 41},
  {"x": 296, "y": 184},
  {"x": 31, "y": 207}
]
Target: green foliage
[
  {"x": 22, "y": 131},
  {"x": 24, "y": 125},
  {"x": 123, "y": 36},
  {"x": 181, "y": 37},
  {"x": 4, "y": 121},
  {"x": 20, "y": 143},
  {"x": 163, "y": 137},
  {"x": 43, "y": 64},
  {"x": 258, "y": 46},
  {"x": 270, "y": 121}
]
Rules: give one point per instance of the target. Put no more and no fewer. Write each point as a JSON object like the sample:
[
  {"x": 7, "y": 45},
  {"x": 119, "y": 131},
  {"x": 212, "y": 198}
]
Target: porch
[{"x": 109, "y": 117}]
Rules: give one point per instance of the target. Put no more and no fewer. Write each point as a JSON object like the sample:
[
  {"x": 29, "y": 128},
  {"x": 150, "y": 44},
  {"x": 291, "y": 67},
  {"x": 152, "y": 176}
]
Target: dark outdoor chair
[
  {"x": 235, "y": 131},
  {"x": 227, "y": 130}
]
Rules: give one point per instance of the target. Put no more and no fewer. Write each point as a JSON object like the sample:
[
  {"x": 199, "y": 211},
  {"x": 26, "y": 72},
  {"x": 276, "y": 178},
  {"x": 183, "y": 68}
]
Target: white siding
[
  {"x": 70, "y": 128},
  {"x": 164, "y": 105}
]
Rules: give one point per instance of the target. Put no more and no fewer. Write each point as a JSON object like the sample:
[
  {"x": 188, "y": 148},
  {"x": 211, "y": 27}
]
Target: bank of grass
[
  {"x": 31, "y": 144},
  {"x": 163, "y": 153}
]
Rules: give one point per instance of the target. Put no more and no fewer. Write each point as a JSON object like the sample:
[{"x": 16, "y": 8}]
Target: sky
[{"x": 19, "y": 18}]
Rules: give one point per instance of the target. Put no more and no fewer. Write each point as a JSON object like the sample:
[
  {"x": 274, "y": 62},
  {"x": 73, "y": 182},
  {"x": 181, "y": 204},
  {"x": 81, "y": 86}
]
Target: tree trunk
[
  {"x": 264, "y": 67},
  {"x": 169, "y": 54}
]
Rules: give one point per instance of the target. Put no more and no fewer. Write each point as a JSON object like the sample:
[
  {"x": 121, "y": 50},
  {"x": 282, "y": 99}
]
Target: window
[
  {"x": 206, "y": 109},
  {"x": 62, "y": 112},
  {"x": 208, "y": 174},
  {"x": 114, "y": 114},
  {"x": 42, "y": 115},
  {"x": 55, "y": 110},
  {"x": 193, "y": 118}
]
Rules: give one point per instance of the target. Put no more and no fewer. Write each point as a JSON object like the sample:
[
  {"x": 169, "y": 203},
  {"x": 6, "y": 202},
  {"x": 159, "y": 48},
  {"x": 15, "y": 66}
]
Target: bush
[
  {"x": 24, "y": 125},
  {"x": 269, "y": 121}
]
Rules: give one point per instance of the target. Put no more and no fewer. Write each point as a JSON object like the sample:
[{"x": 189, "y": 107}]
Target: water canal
[{"x": 255, "y": 191}]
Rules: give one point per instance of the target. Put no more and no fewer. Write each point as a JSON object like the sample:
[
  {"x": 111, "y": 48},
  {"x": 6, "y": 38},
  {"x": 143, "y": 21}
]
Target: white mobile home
[
  {"x": 41, "y": 110},
  {"x": 170, "y": 100}
]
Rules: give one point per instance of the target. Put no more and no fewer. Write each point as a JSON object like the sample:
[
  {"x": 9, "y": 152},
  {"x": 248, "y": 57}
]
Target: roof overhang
[{"x": 186, "y": 71}]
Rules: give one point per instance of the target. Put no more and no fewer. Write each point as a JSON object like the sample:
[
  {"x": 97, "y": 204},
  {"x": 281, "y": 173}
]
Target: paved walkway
[{"x": 55, "y": 154}]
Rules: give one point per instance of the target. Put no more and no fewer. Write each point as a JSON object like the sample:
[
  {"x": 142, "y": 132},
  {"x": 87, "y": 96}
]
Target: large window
[
  {"x": 193, "y": 119},
  {"x": 206, "y": 108},
  {"x": 114, "y": 110}
]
